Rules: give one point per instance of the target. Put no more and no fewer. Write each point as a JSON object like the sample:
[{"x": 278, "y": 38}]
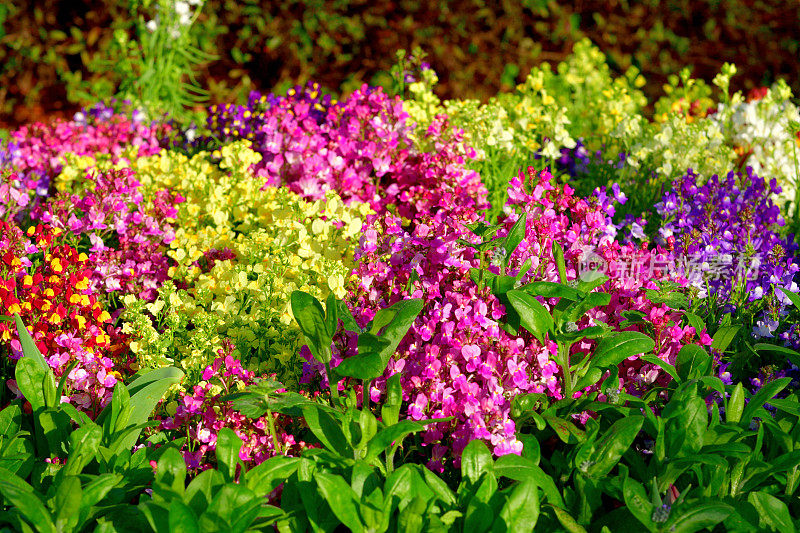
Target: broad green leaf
[
  {"x": 84, "y": 442},
  {"x": 692, "y": 362},
  {"x": 476, "y": 459},
  {"x": 227, "y": 452},
  {"x": 735, "y": 407},
  {"x": 341, "y": 498},
  {"x": 403, "y": 314},
  {"x": 514, "y": 237},
  {"x": 439, "y": 487},
  {"x": 550, "y": 289},
  {"x": 793, "y": 296},
  {"x": 723, "y": 337},
  {"x": 615, "y": 348},
  {"x": 310, "y": 316},
  {"x": 772, "y": 511},
  {"x": 576, "y": 310},
  {"x": 614, "y": 442},
  {"x": 29, "y": 348},
  {"x": 346, "y": 317},
  {"x": 22, "y": 497},
  {"x": 67, "y": 503},
  {"x": 534, "y": 317},
  {"x": 368, "y": 363},
  {"x": 566, "y": 430},
  {"x": 698, "y": 517},
  {"x": 637, "y": 502},
  {"x": 182, "y": 519},
  {"x": 145, "y": 392},
  {"x": 666, "y": 367},
  {"x": 201, "y": 490},
  {"x": 331, "y": 315},
  {"x": 270, "y": 474},
  {"x": 521, "y": 510},
  {"x": 394, "y": 433},
  {"x": 326, "y": 428},
  {"x": 30, "y": 379},
  {"x": 566, "y": 520},
  {"x": 171, "y": 471},
  {"x": 520, "y": 469}
]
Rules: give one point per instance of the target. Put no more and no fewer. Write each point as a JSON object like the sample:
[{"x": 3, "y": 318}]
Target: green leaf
[
  {"x": 666, "y": 367},
  {"x": 520, "y": 469},
  {"x": 84, "y": 442},
  {"x": 310, "y": 316},
  {"x": 566, "y": 430},
  {"x": 401, "y": 316},
  {"x": 394, "y": 433},
  {"x": 270, "y": 474},
  {"x": 201, "y": 490},
  {"x": 67, "y": 503},
  {"x": 733, "y": 412},
  {"x": 723, "y": 337},
  {"x": 692, "y": 362},
  {"x": 181, "y": 518},
  {"x": 615, "y": 348},
  {"x": 566, "y": 520},
  {"x": 698, "y": 517},
  {"x": 614, "y": 442},
  {"x": 793, "y": 296},
  {"x": 22, "y": 497},
  {"x": 550, "y": 289},
  {"x": 327, "y": 429},
  {"x": 514, "y": 237},
  {"x": 171, "y": 471},
  {"x": 390, "y": 410},
  {"x": 521, "y": 510},
  {"x": 30, "y": 379},
  {"x": 341, "y": 498},
  {"x": 331, "y": 315},
  {"x": 576, "y": 310},
  {"x": 98, "y": 488},
  {"x": 227, "y": 452},
  {"x": 346, "y": 317},
  {"x": 534, "y": 317},
  {"x": 29, "y": 348},
  {"x": 558, "y": 255},
  {"x": 772, "y": 511},
  {"x": 766, "y": 393},
  {"x": 368, "y": 363},
  {"x": 637, "y": 502},
  {"x": 145, "y": 392},
  {"x": 476, "y": 459}
]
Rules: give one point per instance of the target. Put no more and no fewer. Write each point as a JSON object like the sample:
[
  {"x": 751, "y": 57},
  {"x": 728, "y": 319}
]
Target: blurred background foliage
[{"x": 54, "y": 55}]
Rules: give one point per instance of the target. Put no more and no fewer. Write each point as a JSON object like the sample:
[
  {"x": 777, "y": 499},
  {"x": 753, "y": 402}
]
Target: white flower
[{"x": 151, "y": 26}]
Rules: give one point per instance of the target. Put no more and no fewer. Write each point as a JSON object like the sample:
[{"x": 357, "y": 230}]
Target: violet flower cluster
[{"x": 727, "y": 230}]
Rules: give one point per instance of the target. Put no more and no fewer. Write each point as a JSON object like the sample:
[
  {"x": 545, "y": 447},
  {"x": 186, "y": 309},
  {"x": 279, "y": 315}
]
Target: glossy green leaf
[
  {"x": 227, "y": 452},
  {"x": 733, "y": 413},
  {"x": 325, "y": 427},
  {"x": 615, "y": 441},
  {"x": 310, "y": 316},
  {"x": 476, "y": 460},
  {"x": 692, "y": 361},
  {"x": 521, "y": 510},
  {"x": 520, "y": 469},
  {"x": 550, "y": 289},
  {"x": 772, "y": 511},
  {"x": 342, "y": 500},
  {"x": 534, "y": 317},
  {"x": 182, "y": 519},
  {"x": 698, "y": 517},
  {"x": 615, "y": 348},
  {"x": 723, "y": 337},
  {"x": 22, "y": 497}
]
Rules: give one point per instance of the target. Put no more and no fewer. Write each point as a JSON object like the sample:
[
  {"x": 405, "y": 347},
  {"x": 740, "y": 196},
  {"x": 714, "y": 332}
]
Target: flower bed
[{"x": 305, "y": 301}]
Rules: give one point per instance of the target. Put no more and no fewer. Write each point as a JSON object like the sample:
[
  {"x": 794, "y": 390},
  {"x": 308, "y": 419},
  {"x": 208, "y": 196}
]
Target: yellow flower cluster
[
  {"x": 580, "y": 98},
  {"x": 279, "y": 243}
]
